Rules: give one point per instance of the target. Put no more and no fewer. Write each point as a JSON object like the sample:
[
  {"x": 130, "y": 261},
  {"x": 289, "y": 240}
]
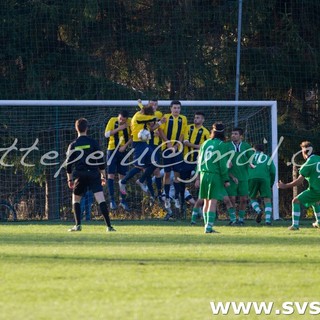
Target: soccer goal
[{"x": 35, "y": 135}]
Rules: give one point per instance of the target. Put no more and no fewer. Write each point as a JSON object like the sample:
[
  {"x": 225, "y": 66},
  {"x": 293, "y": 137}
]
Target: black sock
[
  {"x": 105, "y": 213},
  {"x": 77, "y": 213}
]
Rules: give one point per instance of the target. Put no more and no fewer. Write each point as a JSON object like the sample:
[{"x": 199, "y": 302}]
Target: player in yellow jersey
[
  {"x": 144, "y": 119},
  {"x": 119, "y": 134},
  {"x": 195, "y": 136},
  {"x": 172, "y": 135}
]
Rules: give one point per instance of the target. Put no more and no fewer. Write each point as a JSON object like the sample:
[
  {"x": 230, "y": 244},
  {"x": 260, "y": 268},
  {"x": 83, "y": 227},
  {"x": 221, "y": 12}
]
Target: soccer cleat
[
  {"x": 316, "y": 225},
  {"x": 293, "y": 228},
  {"x": 111, "y": 229},
  {"x": 113, "y": 205},
  {"x": 143, "y": 187},
  {"x": 168, "y": 216},
  {"x": 75, "y": 228},
  {"x": 259, "y": 217},
  {"x": 268, "y": 224},
  {"x": 210, "y": 231},
  {"x": 193, "y": 223},
  {"x": 232, "y": 223},
  {"x": 124, "y": 205},
  {"x": 177, "y": 203},
  {"x": 167, "y": 203},
  {"x": 151, "y": 201},
  {"x": 122, "y": 187},
  {"x": 240, "y": 223}
]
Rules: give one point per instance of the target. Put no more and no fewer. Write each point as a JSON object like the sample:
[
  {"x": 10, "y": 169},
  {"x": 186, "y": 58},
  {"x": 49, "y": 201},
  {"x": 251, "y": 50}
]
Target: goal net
[{"x": 35, "y": 135}]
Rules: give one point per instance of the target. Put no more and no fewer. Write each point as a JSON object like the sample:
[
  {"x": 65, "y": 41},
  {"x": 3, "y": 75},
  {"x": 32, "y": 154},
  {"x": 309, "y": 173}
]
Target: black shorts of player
[
  {"x": 87, "y": 179},
  {"x": 114, "y": 158},
  {"x": 186, "y": 170},
  {"x": 172, "y": 162}
]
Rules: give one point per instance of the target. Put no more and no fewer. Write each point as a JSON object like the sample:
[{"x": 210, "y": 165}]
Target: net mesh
[{"x": 35, "y": 140}]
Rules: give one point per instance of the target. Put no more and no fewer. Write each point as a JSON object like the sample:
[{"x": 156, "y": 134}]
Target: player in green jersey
[
  {"x": 309, "y": 171},
  {"x": 261, "y": 179},
  {"x": 214, "y": 178},
  {"x": 238, "y": 172}
]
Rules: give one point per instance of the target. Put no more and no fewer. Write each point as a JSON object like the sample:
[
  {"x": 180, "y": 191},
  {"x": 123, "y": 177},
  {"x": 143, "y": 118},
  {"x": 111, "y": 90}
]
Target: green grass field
[{"x": 153, "y": 270}]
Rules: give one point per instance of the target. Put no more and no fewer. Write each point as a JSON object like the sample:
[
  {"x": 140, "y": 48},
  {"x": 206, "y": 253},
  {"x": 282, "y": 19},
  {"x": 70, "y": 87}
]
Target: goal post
[{"x": 52, "y": 123}]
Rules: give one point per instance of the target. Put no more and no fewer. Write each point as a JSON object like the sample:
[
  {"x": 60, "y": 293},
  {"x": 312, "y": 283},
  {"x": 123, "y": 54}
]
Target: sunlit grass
[{"x": 151, "y": 270}]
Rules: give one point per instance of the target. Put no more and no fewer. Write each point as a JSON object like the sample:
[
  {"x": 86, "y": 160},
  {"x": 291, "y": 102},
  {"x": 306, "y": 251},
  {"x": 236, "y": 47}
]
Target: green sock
[
  {"x": 268, "y": 211},
  {"x": 316, "y": 210},
  {"x": 295, "y": 214},
  {"x": 232, "y": 214},
  {"x": 255, "y": 205},
  {"x": 211, "y": 219},
  {"x": 194, "y": 216},
  {"x": 205, "y": 217},
  {"x": 242, "y": 213}
]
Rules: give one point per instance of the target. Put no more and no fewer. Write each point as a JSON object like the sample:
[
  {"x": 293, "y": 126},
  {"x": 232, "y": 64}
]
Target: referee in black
[{"x": 86, "y": 170}]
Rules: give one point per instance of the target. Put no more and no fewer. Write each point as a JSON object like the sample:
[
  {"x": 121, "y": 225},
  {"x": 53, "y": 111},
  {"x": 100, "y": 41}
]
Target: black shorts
[{"x": 84, "y": 180}]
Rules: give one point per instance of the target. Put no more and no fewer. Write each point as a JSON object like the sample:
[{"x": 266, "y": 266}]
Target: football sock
[
  {"x": 255, "y": 205},
  {"x": 242, "y": 213},
  {"x": 194, "y": 216},
  {"x": 232, "y": 214},
  {"x": 316, "y": 210},
  {"x": 167, "y": 190},
  {"x": 105, "y": 213},
  {"x": 111, "y": 188},
  {"x": 77, "y": 213},
  {"x": 150, "y": 186},
  {"x": 268, "y": 211},
  {"x": 176, "y": 189},
  {"x": 295, "y": 214},
  {"x": 147, "y": 173},
  {"x": 159, "y": 185},
  {"x": 210, "y": 221},
  {"x": 205, "y": 219}
]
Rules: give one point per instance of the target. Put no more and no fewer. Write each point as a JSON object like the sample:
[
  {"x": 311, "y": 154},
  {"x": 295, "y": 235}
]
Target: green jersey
[
  {"x": 262, "y": 167},
  {"x": 240, "y": 155},
  {"x": 311, "y": 171},
  {"x": 212, "y": 160}
]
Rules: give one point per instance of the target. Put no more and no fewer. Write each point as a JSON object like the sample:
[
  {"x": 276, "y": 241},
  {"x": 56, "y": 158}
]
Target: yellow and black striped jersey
[
  {"x": 139, "y": 122},
  {"x": 195, "y": 136},
  {"x": 121, "y": 136},
  {"x": 174, "y": 127}
]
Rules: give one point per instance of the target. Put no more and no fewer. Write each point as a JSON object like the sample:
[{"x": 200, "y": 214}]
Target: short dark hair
[
  {"x": 148, "y": 110},
  {"x": 259, "y": 147},
  {"x": 199, "y": 113},
  {"x": 154, "y": 100},
  {"x": 175, "y": 102},
  {"x": 240, "y": 130},
  {"x": 307, "y": 145},
  {"x": 81, "y": 125},
  {"x": 124, "y": 113}
]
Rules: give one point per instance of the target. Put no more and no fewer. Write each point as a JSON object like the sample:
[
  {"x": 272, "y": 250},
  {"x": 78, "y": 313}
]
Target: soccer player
[
  {"x": 144, "y": 119},
  {"x": 86, "y": 170},
  {"x": 119, "y": 134},
  {"x": 214, "y": 177},
  {"x": 172, "y": 135},
  {"x": 309, "y": 171},
  {"x": 238, "y": 172},
  {"x": 195, "y": 136},
  {"x": 261, "y": 179}
]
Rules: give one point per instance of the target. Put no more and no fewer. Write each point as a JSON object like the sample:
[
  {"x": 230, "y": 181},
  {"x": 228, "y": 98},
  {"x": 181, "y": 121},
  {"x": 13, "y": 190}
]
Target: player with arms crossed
[
  {"x": 86, "y": 170},
  {"x": 309, "y": 171},
  {"x": 261, "y": 179},
  {"x": 172, "y": 135},
  {"x": 119, "y": 134},
  {"x": 238, "y": 172},
  {"x": 214, "y": 177}
]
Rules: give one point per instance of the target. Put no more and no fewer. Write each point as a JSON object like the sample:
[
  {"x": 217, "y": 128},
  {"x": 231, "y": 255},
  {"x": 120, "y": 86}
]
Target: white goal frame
[{"x": 166, "y": 103}]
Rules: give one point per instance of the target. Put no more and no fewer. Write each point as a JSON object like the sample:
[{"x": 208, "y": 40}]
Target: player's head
[
  {"x": 123, "y": 116},
  {"x": 154, "y": 103},
  {"x": 259, "y": 147},
  {"x": 307, "y": 149},
  {"x": 217, "y": 131},
  {"x": 148, "y": 110},
  {"x": 236, "y": 134},
  {"x": 81, "y": 125},
  {"x": 198, "y": 118},
  {"x": 175, "y": 107}
]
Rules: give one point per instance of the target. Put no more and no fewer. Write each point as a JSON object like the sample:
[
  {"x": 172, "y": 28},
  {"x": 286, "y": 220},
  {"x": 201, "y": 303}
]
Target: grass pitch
[{"x": 152, "y": 270}]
